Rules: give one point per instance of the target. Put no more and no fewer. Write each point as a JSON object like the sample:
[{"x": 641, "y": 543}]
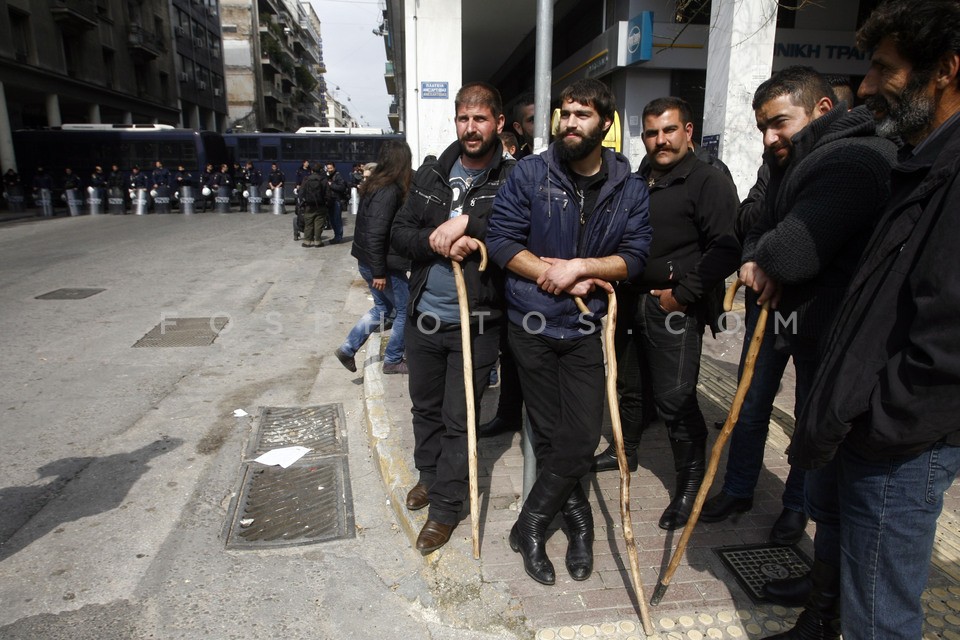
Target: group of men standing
[{"x": 847, "y": 236}]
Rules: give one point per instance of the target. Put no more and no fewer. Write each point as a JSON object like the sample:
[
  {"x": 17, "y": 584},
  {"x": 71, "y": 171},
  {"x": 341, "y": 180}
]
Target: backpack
[{"x": 313, "y": 189}]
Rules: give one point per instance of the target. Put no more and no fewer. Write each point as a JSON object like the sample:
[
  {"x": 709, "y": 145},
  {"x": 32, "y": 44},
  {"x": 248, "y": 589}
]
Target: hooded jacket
[
  {"x": 539, "y": 210},
  {"x": 428, "y": 206},
  {"x": 820, "y": 210}
]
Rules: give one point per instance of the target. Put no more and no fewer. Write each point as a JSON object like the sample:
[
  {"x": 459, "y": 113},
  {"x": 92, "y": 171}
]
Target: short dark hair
[
  {"x": 841, "y": 87},
  {"x": 804, "y": 85},
  {"x": 662, "y": 105},
  {"x": 482, "y": 94},
  {"x": 508, "y": 139},
  {"x": 521, "y": 101},
  {"x": 594, "y": 93},
  {"x": 921, "y": 30}
]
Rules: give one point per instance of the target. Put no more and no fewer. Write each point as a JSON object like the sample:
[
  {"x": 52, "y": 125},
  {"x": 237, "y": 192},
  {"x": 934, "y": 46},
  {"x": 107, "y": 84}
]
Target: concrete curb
[{"x": 392, "y": 461}]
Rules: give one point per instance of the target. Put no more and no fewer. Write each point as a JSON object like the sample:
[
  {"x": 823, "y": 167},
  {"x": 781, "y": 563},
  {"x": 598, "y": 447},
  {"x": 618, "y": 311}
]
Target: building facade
[
  {"x": 273, "y": 64},
  {"x": 109, "y": 61}
]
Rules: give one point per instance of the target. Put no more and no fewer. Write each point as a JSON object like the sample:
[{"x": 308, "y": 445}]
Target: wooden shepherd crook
[
  {"x": 614, "y": 406},
  {"x": 468, "y": 389},
  {"x": 732, "y": 417}
]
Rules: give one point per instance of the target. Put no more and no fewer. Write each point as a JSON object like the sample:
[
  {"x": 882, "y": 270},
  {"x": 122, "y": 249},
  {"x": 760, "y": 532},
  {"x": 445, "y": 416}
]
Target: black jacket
[
  {"x": 889, "y": 383},
  {"x": 371, "y": 236},
  {"x": 692, "y": 213},
  {"x": 428, "y": 206},
  {"x": 820, "y": 211}
]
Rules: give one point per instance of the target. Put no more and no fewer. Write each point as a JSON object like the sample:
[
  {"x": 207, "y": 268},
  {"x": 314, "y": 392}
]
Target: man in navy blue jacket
[{"x": 568, "y": 221}]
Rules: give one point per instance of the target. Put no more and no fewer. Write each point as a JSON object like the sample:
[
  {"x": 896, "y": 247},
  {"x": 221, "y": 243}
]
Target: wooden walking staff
[
  {"x": 468, "y": 389},
  {"x": 742, "y": 387},
  {"x": 614, "y": 405}
]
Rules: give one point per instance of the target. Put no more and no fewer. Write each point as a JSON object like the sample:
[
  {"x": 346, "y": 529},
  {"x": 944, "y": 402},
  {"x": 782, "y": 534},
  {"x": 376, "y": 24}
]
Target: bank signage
[{"x": 640, "y": 37}]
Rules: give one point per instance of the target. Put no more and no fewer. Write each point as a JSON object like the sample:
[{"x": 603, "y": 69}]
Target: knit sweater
[{"x": 820, "y": 210}]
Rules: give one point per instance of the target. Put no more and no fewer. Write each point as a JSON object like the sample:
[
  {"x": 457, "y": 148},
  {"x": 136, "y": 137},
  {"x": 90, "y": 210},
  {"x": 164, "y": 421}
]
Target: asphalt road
[{"x": 119, "y": 463}]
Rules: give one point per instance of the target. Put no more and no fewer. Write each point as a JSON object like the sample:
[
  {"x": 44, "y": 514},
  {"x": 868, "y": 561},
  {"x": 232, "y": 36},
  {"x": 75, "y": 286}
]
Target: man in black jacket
[
  {"x": 829, "y": 176},
  {"x": 444, "y": 215},
  {"x": 881, "y": 424},
  {"x": 336, "y": 192},
  {"x": 659, "y": 336}
]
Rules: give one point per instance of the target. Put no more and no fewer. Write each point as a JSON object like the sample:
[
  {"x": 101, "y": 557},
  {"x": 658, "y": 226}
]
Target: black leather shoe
[
  {"x": 434, "y": 535},
  {"x": 497, "y": 426},
  {"x": 789, "y": 527},
  {"x": 722, "y": 506},
  {"x": 789, "y": 592},
  {"x": 606, "y": 460}
]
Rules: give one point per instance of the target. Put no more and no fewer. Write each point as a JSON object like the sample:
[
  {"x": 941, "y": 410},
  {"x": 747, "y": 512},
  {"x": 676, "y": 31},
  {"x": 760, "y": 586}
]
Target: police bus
[
  {"x": 84, "y": 146},
  {"x": 342, "y": 146}
]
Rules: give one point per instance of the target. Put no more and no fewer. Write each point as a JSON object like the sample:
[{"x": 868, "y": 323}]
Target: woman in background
[{"x": 385, "y": 272}]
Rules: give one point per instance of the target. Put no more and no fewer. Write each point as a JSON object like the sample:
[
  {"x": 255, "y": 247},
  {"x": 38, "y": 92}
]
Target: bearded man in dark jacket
[
  {"x": 829, "y": 178},
  {"x": 445, "y": 213},
  {"x": 882, "y": 417},
  {"x": 568, "y": 221}
]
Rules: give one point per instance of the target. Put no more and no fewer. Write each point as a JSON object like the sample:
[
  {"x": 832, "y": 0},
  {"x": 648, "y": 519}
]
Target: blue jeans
[
  {"x": 887, "y": 512},
  {"x": 336, "y": 218},
  {"x": 745, "y": 459},
  {"x": 385, "y": 303}
]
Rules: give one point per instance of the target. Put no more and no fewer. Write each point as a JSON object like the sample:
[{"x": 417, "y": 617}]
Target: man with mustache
[
  {"x": 665, "y": 309},
  {"x": 829, "y": 178},
  {"x": 880, "y": 431},
  {"x": 445, "y": 213},
  {"x": 568, "y": 221}
]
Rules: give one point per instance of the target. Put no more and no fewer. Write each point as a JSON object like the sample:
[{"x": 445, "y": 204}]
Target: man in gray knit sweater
[{"x": 829, "y": 179}]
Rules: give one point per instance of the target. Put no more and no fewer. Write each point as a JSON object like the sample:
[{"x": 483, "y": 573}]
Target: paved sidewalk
[{"x": 703, "y": 599}]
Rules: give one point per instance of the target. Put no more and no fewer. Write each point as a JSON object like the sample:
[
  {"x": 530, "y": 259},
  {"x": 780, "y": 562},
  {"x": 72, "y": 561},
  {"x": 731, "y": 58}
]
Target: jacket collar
[
  {"x": 678, "y": 172},
  {"x": 449, "y": 158}
]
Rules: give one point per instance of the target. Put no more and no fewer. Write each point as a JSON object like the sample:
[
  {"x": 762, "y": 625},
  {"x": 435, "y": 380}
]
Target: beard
[
  {"x": 573, "y": 149},
  {"x": 910, "y": 115},
  {"x": 485, "y": 147}
]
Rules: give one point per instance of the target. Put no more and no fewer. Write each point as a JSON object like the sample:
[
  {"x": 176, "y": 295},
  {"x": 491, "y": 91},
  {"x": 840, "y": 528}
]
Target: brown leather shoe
[
  {"x": 418, "y": 497},
  {"x": 434, "y": 535}
]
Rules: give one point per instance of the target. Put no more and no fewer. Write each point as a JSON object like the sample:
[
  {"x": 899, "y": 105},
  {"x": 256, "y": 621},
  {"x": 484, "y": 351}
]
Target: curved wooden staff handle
[{"x": 742, "y": 387}]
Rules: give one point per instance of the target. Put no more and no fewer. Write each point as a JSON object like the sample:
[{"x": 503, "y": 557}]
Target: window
[
  {"x": 109, "y": 68},
  {"x": 20, "y": 30}
]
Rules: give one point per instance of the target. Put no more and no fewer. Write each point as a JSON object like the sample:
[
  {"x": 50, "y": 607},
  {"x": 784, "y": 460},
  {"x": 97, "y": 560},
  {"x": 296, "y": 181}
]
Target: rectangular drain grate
[
  {"x": 317, "y": 428},
  {"x": 310, "y": 501},
  {"x": 69, "y": 294},
  {"x": 757, "y": 564},
  {"x": 183, "y": 332}
]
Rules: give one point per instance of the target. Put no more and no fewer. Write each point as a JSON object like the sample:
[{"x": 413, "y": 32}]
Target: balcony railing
[
  {"x": 74, "y": 15},
  {"x": 143, "y": 44}
]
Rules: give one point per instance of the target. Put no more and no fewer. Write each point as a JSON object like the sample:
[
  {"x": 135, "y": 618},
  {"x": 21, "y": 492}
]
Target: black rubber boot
[
  {"x": 820, "y": 618},
  {"x": 606, "y": 460},
  {"x": 789, "y": 592},
  {"x": 690, "y": 464},
  {"x": 527, "y": 536},
  {"x": 578, "y": 520}
]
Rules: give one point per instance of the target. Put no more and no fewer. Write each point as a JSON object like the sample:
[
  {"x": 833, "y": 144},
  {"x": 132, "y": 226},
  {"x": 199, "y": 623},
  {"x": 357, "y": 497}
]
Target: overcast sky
[{"x": 355, "y": 57}]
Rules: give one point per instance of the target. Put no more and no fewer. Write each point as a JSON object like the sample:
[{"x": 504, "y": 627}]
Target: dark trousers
[
  {"x": 510, "y": 405},
  {"x": 658, "y": 356},
  {"x": 563, "y": 387},
  {"x": 435, "y": 360}
]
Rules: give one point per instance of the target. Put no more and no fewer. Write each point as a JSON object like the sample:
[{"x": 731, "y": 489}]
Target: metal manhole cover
[
  {"x": 306, "y": 503},
  {"x": 183, "y": 332},
  {"x": 319, "y": 428},
  {"x": 69, "y": 294},
  {"x": 757, "y": 564}
]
